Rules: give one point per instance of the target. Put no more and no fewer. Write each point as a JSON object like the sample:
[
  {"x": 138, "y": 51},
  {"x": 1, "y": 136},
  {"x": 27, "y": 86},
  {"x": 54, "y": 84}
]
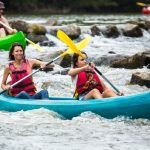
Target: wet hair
[
  {"x": 75, "y": 59},
  {"x": 11, "y": 56}
]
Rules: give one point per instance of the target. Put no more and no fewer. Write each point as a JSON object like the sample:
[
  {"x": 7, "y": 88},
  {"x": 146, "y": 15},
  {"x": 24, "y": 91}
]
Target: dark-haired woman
[
  {"x": 87, "y": 81},
  {"x": 18, "y": 68}
]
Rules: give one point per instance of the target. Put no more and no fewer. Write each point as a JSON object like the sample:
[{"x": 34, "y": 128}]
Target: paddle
[
  {"x": 32, "y": 43},
  {"x": 64, "y": 37},
  {"x": 79, "y": 45},
  {"x": 142, "y": 4}
]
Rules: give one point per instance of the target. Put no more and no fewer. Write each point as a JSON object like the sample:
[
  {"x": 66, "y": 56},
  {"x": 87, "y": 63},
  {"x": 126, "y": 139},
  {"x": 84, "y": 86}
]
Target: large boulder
[
  {"x": 136, "y": 61},
  {"x": 132, "y": 30},
  {"x": 34, "y": 32},
  {"x": 141, "y": 23},
  {"x": 66, "y": 61},
  {"x": 95, "y": 30},
  {"x": 72, "y": 30},
  {"x": 107, "y": 59},
  {"x": 36, "y": 29},
  {"x": 112, "y": 31},
  {"x": 19, "y": 25},
  {"x": 142, "y": 78},
  {"x": 28, "y": 27},
  {"x": 37, "y": 38}
]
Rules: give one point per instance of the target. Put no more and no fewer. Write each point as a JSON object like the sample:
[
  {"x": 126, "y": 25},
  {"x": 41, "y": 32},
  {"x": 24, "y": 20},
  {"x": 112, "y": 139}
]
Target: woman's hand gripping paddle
[{"x": 142, "y": 4}]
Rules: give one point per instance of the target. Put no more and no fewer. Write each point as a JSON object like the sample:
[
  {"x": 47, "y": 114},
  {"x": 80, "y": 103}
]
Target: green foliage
[{"x": 73, "y": 5}]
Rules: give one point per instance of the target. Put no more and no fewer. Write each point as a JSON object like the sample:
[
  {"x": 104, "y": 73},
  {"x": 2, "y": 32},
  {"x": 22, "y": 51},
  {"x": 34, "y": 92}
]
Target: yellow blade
[
  {"x": 35, "y": 45},
  {"x": 64, "y": 37},
  {"x": 141, "y": 4},
  {"x": 82, "y": 44}
]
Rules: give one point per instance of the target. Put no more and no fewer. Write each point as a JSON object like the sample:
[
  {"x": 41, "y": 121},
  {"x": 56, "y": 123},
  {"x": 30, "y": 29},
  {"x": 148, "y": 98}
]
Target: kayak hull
[
  {"x": 133, "y": 106},
  {"x": 6, "y": 42}
]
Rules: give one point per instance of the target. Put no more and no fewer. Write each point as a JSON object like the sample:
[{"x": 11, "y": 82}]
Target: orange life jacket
[
  {"x": 26, "y": 85},
  {"x": 88, "y": 80}
]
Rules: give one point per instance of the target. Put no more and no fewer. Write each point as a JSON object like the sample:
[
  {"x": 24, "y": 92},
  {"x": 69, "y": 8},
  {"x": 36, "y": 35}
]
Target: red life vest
[
  {"x": 26, "y": 85},
  {"x": 87, "y": 81}
]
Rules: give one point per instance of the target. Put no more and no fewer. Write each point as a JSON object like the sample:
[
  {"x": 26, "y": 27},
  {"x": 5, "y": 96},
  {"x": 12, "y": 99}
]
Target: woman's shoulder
[{"x": 7, "y": 68}]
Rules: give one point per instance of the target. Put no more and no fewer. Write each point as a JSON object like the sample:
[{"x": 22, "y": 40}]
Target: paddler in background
[{"x": 4, "y": 31}]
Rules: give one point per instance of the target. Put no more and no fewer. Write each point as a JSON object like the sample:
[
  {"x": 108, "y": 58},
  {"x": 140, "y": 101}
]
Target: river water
[{"x": 43, "y": 130}]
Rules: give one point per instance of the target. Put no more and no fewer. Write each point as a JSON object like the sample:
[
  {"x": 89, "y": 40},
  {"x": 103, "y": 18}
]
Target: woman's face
[
  {"x": 81, "y": 61},
  {"x": 18, "y": 53}
]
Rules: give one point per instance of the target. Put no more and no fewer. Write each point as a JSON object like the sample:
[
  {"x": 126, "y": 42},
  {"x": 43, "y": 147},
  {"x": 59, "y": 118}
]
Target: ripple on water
[{"x": 43, "y": 129}]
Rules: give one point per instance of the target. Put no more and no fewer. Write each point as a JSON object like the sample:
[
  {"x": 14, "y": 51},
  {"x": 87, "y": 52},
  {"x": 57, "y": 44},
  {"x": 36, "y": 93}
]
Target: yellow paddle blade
[
  {"x": 35, "y": 45},
  {"x": 64, "y": 37},
  {"x": 82, "y": 44},
  {"x": 141, "y": 4}
]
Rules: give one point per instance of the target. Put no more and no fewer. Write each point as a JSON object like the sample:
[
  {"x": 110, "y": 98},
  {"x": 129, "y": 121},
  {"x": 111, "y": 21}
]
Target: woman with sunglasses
[{"x": 87, "y": 81}]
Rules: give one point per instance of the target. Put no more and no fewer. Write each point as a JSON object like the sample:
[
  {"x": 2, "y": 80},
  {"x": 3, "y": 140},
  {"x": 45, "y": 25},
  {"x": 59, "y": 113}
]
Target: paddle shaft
[
  {"x": 142, "y": 4},
  {"x": 32, "y": 43},
  {"x": 40, "y": 69},
  {"x": 64, "y": 37},
  {"x": 106, "y": 79}
]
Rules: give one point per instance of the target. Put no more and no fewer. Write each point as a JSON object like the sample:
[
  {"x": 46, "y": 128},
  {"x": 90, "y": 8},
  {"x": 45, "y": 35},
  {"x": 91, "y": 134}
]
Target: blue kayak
[{"x": 133, "y": 106}]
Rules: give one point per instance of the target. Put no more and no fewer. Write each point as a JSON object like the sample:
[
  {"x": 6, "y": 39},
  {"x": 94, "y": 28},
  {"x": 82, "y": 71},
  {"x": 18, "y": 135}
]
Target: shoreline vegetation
[{"x": 67, "y": 7}]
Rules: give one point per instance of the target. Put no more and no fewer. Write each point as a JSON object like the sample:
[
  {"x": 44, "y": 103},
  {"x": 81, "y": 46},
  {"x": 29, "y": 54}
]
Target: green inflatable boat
[
  {"x": 6, "y": 42},
  {"x": 134, "y": 106}
]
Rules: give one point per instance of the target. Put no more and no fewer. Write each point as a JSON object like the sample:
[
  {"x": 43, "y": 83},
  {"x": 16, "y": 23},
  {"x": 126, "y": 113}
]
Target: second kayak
[{"x": 6, "y": 42}]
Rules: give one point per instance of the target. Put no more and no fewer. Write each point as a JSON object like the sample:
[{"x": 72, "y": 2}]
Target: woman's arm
[
  {"x": 40, "y": 63},
  {"x": 6, "y": 73},
  {"x": 75, "y": 71},
  {"x": 5, "y": 21}
]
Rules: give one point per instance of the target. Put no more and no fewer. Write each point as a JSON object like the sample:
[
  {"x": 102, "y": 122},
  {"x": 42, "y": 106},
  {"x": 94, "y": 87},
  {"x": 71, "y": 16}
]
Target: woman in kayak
[
  {"x": 87, "y": 81},
  {"x": 4, "y": 31},
  {"x": 18, "y": 68}
]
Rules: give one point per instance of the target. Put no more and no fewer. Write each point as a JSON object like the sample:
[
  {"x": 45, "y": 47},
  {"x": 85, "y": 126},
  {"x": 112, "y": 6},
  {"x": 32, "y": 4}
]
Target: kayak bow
[{"x": 6, "y": 42}]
